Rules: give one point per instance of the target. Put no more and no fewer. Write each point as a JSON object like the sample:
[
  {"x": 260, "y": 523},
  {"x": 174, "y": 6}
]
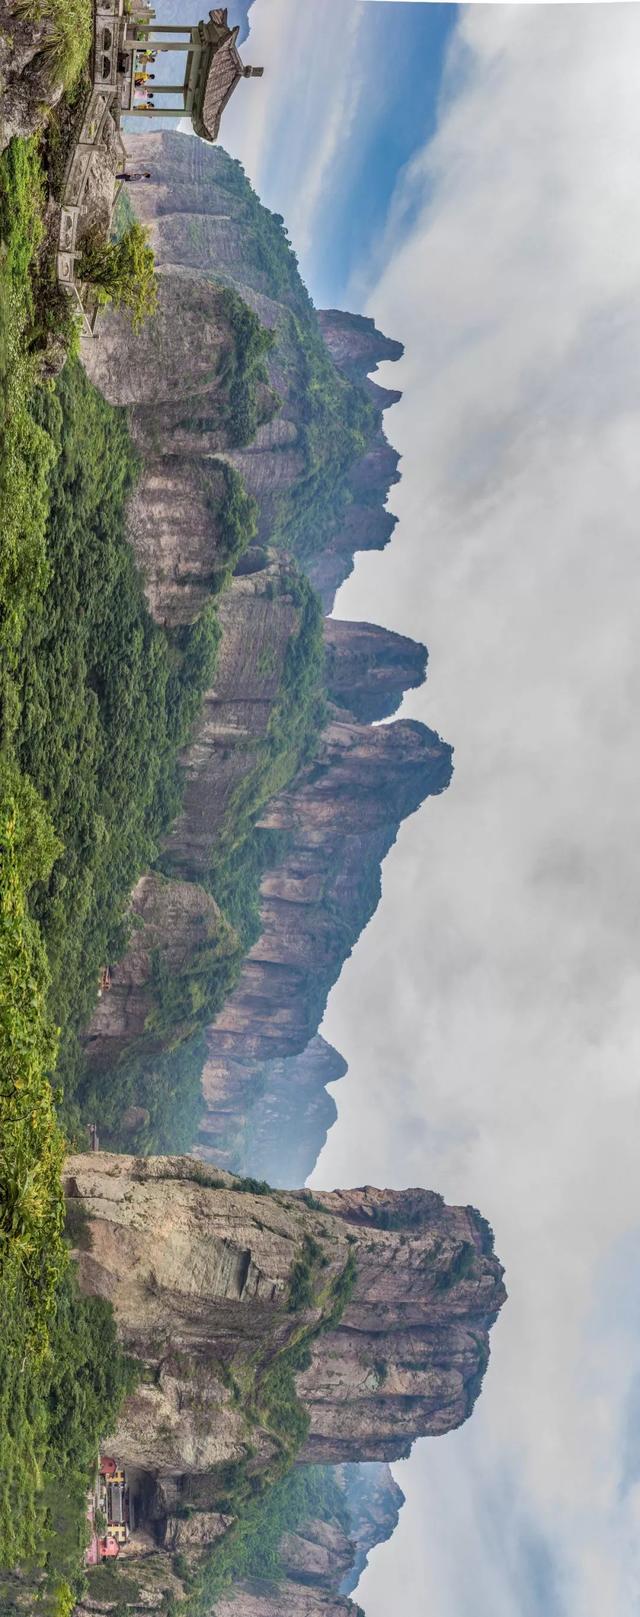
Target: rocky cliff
[
  {"x": 377, "y": 1304},
  {"x": 321, "y": 468},
  {"x": 29, "y": 76},
  {"x": 374, "y": 1501},
  {"x": 368, "y": 669},
  {"x": 266, "y": 1109},
  {"x": 341, "y": 816},
  {"x": 265, "y": 1074}
]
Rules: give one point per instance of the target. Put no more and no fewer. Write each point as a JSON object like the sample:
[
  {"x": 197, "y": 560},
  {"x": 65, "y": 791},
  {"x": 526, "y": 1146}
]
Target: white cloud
[
  {"x": 491, "y": 1015},
  {"x": 291, "y": 129}
]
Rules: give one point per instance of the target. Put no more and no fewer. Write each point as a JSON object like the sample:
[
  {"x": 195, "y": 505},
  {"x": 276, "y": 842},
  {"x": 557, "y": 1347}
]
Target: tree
[{"x": 122, "y": 272}]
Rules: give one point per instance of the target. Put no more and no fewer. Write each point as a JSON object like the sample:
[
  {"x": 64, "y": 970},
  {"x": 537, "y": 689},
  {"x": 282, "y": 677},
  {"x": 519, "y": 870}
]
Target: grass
[{"x": 66, "y": 44}]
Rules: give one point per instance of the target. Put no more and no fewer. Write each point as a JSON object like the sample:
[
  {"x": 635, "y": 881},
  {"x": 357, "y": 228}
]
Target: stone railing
[{"x": 103, "y": 103}]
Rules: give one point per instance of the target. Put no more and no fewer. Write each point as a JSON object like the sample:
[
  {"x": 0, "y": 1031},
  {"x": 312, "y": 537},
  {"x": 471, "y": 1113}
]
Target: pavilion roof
[{"x": 223, "y": 71}]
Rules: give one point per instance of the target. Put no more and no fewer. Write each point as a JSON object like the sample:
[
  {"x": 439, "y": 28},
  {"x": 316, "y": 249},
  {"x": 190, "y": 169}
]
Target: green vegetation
[
  {"x": 462, "y": 1265},
  {"x": 121, "y": 270},
  {"x": 252, "y": 1549},
  {"x": 53, "y": 1412},
  {"x": 336, "y": 421},
  {"x": 165, "y": 1082},
  {"x": 67, "y": 42},
  {"x": 31, "y": 1144},
  {"x": 335, "y": 418},
  {"x": 301, "y": 1288},
  {"x": 251, "y": 343},
  {"x": 26, "y": 450},
  {"x": 296, "y": 720},
  {"x": 235, "y": 514},
  {"x": 100, "y": 702}
]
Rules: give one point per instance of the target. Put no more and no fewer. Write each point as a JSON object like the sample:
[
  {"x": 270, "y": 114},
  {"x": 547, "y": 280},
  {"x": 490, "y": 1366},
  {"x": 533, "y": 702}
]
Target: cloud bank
[{"x": 490, "y": 1015}]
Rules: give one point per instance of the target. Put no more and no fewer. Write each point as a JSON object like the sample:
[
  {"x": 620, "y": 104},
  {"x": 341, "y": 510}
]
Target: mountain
[
  {"x": 241, "y": 392},
  {"x": 322, "y": 471},
  {"x": 271, "y": 1327}
]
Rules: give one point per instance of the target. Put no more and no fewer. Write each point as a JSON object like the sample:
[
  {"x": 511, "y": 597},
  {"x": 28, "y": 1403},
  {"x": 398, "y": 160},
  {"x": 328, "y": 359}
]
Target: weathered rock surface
[
  {"x": 368, "y": 669},
  {"x": 261, "y": 1599},
  {"x": 355, "y": 344},
  {"x": 182, "y": 355},
  {"x": 29, "y": 85},
  {"x": 199, "y": 1277},
  {"x": 374, "y": 1501},
  {"x": 341, "y": 816},
  {"x": 173, "y": 921},
  {"x": 205, "y": 222}
]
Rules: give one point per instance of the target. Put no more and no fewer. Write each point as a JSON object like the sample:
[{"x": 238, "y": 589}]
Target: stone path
[{"x": 102, "y": 113}]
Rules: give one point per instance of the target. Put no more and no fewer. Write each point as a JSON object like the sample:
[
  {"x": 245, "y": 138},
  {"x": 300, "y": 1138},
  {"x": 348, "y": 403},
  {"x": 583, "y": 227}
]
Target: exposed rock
[
  {"x": 258, "y": 616},
  {"x": 368, "y": 669},
  {"x": 205, "y": 222},
  {"x": 261, "y": 1599},
  {"x": 199, "y": 1279},
  {"x": 355, "y": 344},
  {"x": 173, "y": 921},
  {"x": 318, "y": 1555},
  {"x": 182, "y": 355},
  {"x": 342, "y": 815},
  {"x": 29, "y": 83},
  {"x": 174, "y": 523},
  {"x": 374, "y": 1502}
]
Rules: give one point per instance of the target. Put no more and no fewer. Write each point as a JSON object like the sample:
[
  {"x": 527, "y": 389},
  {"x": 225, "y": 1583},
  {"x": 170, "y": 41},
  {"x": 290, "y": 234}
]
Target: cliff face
[
  {"x": 368, "y": 669},
  {"x": 29, "y": 85},
  {"x": 261, "y": 1599},
  {"x": 270, "y": 1118},
  {"x": 172, "y": 922},
  {"x": 341, "y": 815},
  {"x": 322, "y": 468},
  {"x": 265, "y": 1076},
  {"x": 374, "y": 1502},
  {"x": 201, "y": 1282}
]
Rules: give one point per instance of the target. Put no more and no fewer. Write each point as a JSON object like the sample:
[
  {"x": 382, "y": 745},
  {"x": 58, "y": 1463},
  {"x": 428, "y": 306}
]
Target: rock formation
[
  {"x": 341, "y": 816},
  {"x": 322, "y": 486},
  {"x": 374, "y": 1502},
  {"x": 30, "y": 84},
  {"x": 368, "y": 669},
  {"x": 205, "y": 1275}
]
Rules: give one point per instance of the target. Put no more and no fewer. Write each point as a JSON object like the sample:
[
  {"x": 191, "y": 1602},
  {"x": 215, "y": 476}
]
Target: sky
[
  {"x": 356, "y": 86},
  {"x": 490, "y": 1013}
]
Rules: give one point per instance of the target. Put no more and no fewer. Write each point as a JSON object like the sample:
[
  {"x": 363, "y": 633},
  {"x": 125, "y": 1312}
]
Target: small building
[
  {"x": 212, "y": 68},
  {"x": 114, "y": 1500}
]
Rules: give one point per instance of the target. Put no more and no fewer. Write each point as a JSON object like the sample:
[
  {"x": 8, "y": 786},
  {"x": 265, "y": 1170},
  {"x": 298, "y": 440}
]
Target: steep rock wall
[
  {"x": 205, "y": 222},
  {"x": 199, "y": 1278},
  {"x": 265, "y": 1076}
]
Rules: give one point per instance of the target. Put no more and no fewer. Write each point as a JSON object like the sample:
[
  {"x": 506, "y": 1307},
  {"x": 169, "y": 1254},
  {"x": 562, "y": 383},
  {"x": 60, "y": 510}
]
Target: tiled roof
[{"x": 224, "y": 72}]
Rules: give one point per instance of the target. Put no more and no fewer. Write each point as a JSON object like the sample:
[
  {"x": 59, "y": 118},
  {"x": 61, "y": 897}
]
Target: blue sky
[
  {"x": 380, "y": 66},
  {"x": 399, "y": 61},
  {"x": 390, "y": 106}
]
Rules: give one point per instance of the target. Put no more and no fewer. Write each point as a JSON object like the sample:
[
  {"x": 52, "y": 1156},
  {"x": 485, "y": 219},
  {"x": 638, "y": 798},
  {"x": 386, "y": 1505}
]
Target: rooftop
[{"x": 221, "y": 68}]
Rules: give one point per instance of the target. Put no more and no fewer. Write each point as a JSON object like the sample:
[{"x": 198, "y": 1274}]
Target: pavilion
[{"x": 213, "y": 67}]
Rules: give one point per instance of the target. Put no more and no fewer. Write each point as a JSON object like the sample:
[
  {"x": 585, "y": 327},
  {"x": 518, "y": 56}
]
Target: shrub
[
  {"x": 32, "y": 1146},
  {"x": 122, "y": 271}
]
